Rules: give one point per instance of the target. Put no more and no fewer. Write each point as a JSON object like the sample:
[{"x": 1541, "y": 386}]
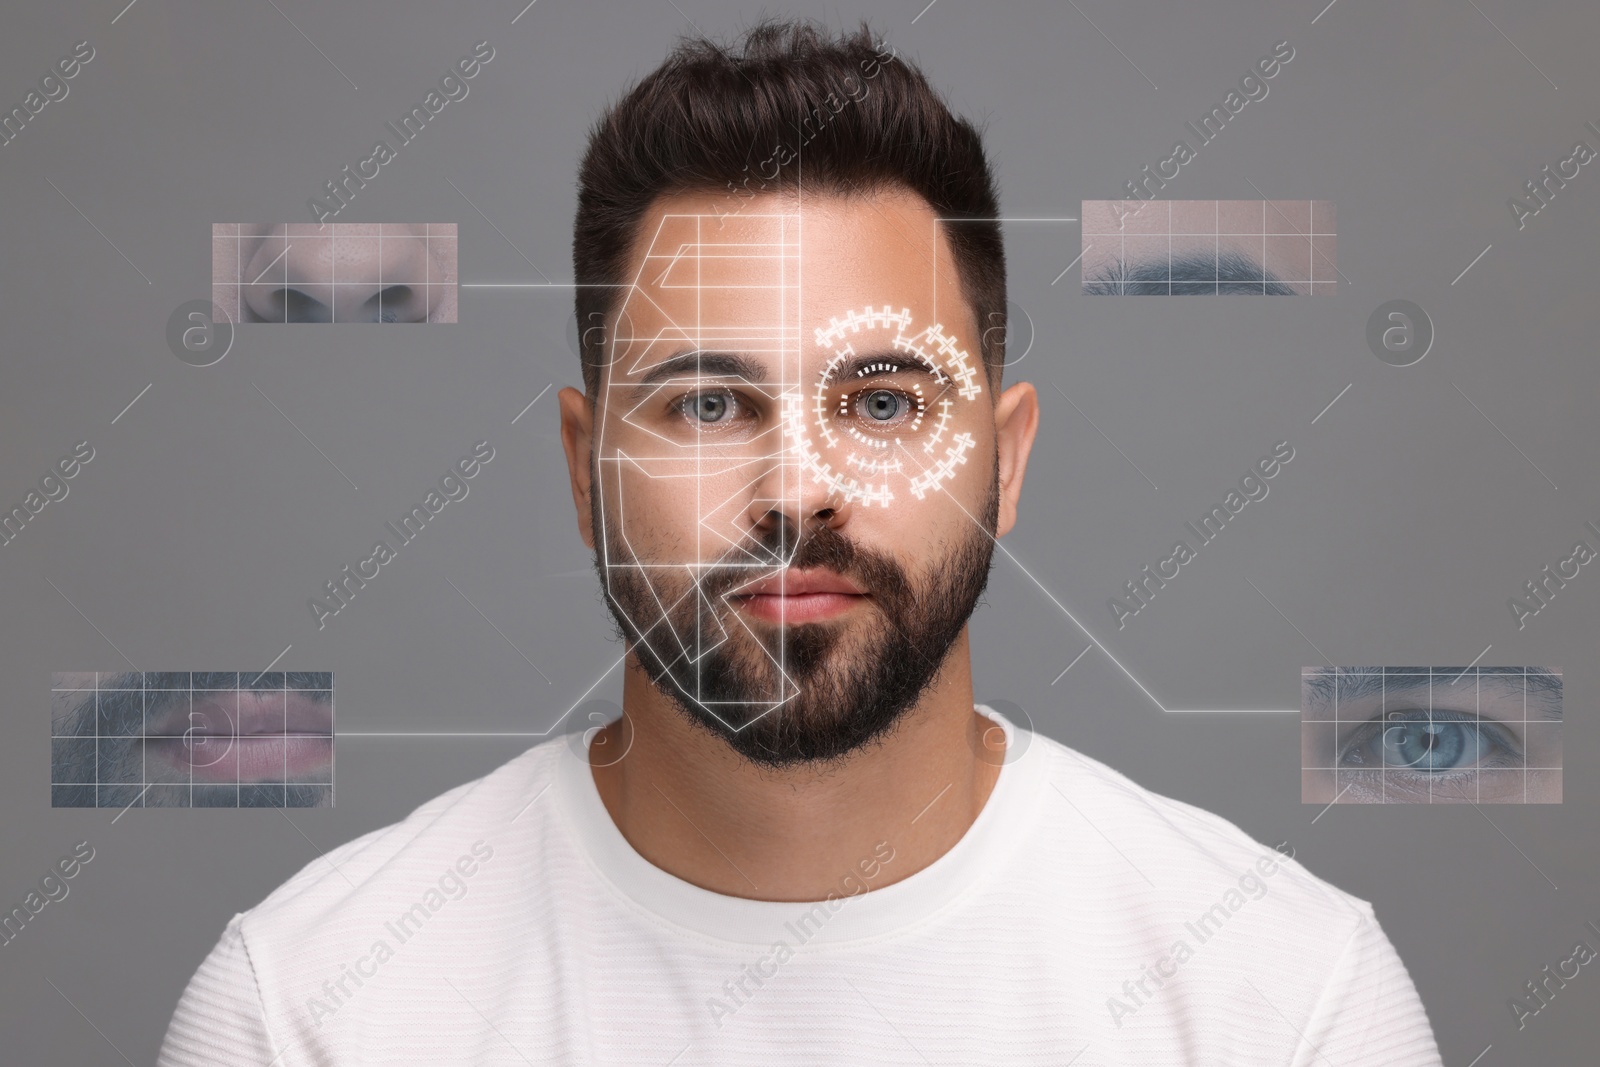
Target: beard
[{"x": 784, "y": 695}]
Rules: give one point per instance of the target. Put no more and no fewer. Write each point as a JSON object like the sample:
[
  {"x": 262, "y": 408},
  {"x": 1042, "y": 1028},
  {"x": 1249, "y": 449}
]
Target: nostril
[
  {"x": 300, "y": 306},
  {"x": 394, "y": 303},
  {"x": 282, "y": 303}
]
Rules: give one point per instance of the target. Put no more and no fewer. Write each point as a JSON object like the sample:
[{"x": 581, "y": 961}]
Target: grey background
[{"x": 196, "y": 535}]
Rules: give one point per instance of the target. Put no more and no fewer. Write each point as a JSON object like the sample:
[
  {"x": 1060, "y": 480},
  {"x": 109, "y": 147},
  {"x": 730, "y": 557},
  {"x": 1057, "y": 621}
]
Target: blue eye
[
  {"x": 1416, "y": 741},
  {"x": 882, "y": 404},
  {"x": 706, "y": 407}
]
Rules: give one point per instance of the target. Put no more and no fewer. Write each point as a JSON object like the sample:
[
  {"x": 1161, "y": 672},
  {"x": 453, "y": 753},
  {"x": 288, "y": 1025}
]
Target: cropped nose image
[{"x": 752, "y": 631}]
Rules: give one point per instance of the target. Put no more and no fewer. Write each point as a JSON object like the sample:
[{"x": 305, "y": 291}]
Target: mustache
[
  {"x": 784, "y": 545},
  {"x": 130, "y": 699}
]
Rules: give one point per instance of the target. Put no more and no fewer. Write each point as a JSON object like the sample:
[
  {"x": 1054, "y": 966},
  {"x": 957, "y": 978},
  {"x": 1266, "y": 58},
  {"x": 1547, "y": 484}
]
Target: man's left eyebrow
[
  {"x": 864, "y": 366},
  {"x": 704, "y": 363}
]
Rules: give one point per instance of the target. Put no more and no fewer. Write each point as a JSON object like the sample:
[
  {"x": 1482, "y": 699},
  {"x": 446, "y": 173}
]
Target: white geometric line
[
  {"x": 1069, "y": 266},
  {"x": 313, "y": 44},
  {"x": 532, "y": 402},
  {"x": 1474, "y": 262},
  {"x": 1071, "y": 665},
  {"x": 499, "y": 631},
  {"x": 1509, "y": 441},
  {"x": 97, "y": 229},
  {"x": 132, "y": 402},
  {"x": 1471, "y": 665},
  {"x": 302, "y": 433},
  {"x": 1332, "y": 402}
]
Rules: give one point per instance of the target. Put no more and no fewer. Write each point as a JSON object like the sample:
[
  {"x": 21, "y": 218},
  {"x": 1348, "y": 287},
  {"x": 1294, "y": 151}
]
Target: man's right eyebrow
[
  {"x": 1186, "y": 273},
  {"x": 700, "y": 363}
]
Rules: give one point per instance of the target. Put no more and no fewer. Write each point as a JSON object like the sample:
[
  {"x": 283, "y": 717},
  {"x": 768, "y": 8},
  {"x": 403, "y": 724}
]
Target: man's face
[{"x": 795, "y": 489}]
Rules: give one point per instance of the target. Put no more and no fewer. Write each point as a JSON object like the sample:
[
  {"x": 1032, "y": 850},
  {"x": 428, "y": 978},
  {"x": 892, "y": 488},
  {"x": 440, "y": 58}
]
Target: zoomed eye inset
[
  {"x": 1210, "y": 248},
  {"x": 1430, "y": 735},
  {"x": 335, "y": 272},
  {"x": 182, "y": 739}
]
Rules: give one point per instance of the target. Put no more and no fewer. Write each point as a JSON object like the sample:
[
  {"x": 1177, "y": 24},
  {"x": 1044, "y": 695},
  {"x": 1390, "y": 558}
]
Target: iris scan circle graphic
[{"x": 873, "y": 467}]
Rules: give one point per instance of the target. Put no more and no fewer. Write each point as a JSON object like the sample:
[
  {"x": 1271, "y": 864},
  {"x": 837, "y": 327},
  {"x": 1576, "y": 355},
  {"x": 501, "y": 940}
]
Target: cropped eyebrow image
[
  {"x": 1209, "y": 247},
  {"x": 335, "y": 272},
  {"x": 1431, "y": 735},
  {"x": 181, "y": 739}
]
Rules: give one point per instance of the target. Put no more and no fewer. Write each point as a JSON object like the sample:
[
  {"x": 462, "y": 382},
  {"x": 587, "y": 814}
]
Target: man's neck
[{"x": 693, "y": 807}]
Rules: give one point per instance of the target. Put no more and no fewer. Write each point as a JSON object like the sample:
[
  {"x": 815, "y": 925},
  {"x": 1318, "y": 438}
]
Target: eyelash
[{"x": 1493, "y": 745}]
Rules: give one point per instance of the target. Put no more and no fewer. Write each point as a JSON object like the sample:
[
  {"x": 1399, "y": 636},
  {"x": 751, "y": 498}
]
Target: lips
[
  {"x": 798, "y": 596},
  {"x": 800, "y": 583},
  {"x": 263, "y": 736}
]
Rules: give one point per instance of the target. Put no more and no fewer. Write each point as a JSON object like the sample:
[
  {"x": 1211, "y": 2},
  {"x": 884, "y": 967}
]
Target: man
[{"x": 801, "y": 843}]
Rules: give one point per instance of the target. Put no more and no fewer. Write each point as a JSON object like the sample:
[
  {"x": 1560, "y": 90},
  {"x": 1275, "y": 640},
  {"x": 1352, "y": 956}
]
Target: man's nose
[
  {"x": 356, "y": 273},
  {"x": 789, "y": 494}
]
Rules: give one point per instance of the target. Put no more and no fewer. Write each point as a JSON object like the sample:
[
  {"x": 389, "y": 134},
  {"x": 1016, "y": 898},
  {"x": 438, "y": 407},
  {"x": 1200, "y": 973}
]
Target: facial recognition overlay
[
  {"x": 1430, "y": 735},
  {"x": 747, "y": 396},
  {"x": 1209, "y": 247},
  {"x": 181, "y": 739},
  {"x": 335, "y": 272}
]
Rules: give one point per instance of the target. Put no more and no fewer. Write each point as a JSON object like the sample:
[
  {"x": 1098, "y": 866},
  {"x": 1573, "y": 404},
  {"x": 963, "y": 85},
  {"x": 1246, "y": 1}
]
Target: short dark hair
[{"x": 715, "y": 117}]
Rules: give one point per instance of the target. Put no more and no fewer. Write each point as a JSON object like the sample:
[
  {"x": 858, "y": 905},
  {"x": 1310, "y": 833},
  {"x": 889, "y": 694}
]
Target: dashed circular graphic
[{"x": 924, "y": 453}]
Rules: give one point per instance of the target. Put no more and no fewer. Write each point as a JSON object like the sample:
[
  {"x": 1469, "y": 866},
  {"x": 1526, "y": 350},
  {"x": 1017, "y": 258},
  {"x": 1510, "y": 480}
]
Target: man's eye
[
  {"x": 881, "y": 407},
  {"x": 1414, "y": 741},
  {"x": 706, "y": 407}
]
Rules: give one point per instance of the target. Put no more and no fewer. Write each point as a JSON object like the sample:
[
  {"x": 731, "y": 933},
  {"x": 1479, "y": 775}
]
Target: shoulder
[
  {"x": 1158, "y": 855},
  {"x": 447, "y": 837}
]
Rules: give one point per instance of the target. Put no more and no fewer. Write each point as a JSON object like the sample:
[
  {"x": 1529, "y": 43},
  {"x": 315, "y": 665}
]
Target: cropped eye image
[
  {"x": 334, "y": 272},
  {"x": 191, "y": 739},
  {"x": 1431, "y": 735},
  {"x": 1209, "y": 247}
]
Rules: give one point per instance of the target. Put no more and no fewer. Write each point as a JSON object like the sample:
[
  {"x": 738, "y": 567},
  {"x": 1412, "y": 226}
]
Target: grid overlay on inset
[
  {"x": 1456, "y": 688},
  {"x": 108, "y": 750},
  {"x": 1299, "y": 256},
  {"x": 435, "y": 239}
]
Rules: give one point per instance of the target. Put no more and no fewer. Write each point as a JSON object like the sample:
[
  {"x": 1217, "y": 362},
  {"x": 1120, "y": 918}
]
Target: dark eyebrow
[
  {"x": 702, "y": 363},
  {"x": 1357, "y": 683},
  {"x": 1188, "y": 273},
  {"x": 902, "y": 362}
]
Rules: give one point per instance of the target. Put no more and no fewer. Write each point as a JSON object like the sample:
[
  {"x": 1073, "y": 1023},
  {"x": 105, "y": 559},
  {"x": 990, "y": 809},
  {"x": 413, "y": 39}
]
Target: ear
[
  {"x": 1016, "y": 420},
  {"x": 577, "y": 438}
]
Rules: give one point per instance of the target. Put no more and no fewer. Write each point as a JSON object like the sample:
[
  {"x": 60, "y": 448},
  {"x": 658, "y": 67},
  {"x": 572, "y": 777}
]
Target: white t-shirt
[{"x": 1081, "y": 919}]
